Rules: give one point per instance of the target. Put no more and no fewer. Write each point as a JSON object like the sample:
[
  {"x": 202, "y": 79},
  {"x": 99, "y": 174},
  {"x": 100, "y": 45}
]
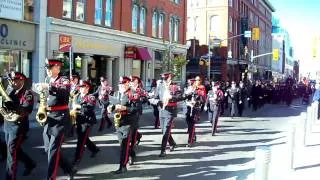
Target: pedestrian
[
  {"x": 233, "y": 95},
  {"x": 243, "y": 94},
  {"x": 57, "y": 119},
  {"x": 21, "y": 104},
  {"x": 84, "y": 104},
  {"x": 255, "y": 94},
  {"x": 213, "y": 101},
  {"x": 154, "y": 105},
  {"x": 168, "y": 94},
  {"x": 102, "y": 94}
]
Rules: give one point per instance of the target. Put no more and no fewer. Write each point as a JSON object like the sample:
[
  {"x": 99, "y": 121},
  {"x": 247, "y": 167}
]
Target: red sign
[
  {"x": 65, "y": 42},
  {"x": 130, "y": 52}
]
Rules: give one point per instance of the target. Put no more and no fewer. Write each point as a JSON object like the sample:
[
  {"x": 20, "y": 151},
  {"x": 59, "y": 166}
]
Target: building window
[
  {"x": 80, "y": 4},
  {"x": 230, "y": 24},
  {"x": 176, "y": 31},
  {"x": 98, "y": 12},
  {"x": 171, "y": 29},
  {"x": 161, "y": 18},
  {"x": 135, "y": 18},
  {"x": 195, "y": 28},
  {"x": 230, "y": 3},
  {"x": 177, "y": 1},
  {"x": 28, "y": 10},
  {"x": 142, "y": 20},
  {"x": 154, "y": 24},
  {"x": 109, "y": 12},
  {"x": 67, "y": 9},
  {"x": 215, "y": 25}
]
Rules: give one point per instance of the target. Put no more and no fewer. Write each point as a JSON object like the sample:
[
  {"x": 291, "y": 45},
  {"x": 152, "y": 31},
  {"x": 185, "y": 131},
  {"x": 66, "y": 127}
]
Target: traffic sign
[
  {"x": 275, "y": 54},
  {"x": 247, "y": 34},
  {"x": 255, "y": 34}
]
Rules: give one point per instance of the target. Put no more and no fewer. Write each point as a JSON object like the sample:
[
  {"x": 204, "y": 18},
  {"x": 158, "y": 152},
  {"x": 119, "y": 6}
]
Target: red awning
[{"x": 143, "y": 54}]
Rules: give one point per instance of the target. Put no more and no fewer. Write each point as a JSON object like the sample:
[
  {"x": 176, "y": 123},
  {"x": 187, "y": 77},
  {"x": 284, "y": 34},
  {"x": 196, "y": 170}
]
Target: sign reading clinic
[
  {"x": 16, "y": 35},
  {"x": 11, "y": 9}
]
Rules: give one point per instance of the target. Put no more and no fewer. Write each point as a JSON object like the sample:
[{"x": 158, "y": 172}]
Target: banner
[{"x": 65, "y": 43}]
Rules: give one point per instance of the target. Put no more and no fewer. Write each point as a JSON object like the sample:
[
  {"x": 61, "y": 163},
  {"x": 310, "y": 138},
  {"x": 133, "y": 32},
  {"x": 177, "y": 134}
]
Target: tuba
[{"x": 8, "y": 115}]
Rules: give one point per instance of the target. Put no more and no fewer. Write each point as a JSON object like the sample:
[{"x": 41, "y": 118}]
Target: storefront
[
  {"x": 17, "y": 43},
  {"x": 91, "y": 58},
  {"x": 138, "y": 61}
]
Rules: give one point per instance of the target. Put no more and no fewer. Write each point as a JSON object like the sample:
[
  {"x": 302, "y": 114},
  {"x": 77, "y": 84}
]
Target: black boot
[
  {"x": 29, "y": 169},
  {"x": 121, "y": 170},
  {"x": 162, "y": 154}
]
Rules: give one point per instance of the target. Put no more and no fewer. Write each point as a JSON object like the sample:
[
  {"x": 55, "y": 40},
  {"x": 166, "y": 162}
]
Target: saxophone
[
  {"x": 8, "y": 115},
  {"x": 41, "y": 115},
  {"x": 75, "y": 110}
]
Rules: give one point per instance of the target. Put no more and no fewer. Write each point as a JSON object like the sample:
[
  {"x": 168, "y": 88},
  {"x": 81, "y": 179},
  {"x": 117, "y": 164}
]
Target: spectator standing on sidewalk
[{"x": 316, "y": 97}]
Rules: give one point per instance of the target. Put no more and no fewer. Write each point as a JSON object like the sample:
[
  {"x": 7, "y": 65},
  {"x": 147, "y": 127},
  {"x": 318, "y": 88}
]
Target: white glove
[
  {"x": 205, "y": 108},
  {"x": 248, "y": 99},
  {"x": 240, "y": 102},
  {"x": 225, "y": 94}
]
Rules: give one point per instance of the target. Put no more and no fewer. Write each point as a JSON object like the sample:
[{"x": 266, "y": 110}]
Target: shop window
[
  {"x": 161, "y": 18},
  {"x": 154, "y": 24},
  {"x": 98, "y": 12},
  {"x": 67, "y": 9},
  {"x": 158, "y": 55},
  {"x": 109, "y": 13},
  {"x": 28, "y": 10},
  {"x": 80, "y": 7},
  {"x": 11, "y": 60},
  {"x": 136, "y": 68},
  {"x": 142, "y": 20},
  {"x": 135, "y": 18}
]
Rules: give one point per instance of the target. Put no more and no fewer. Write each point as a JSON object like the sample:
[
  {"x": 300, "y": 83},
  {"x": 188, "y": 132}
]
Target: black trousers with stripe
[
  {"x": 83, "y": 140},
  {"x": 15, "y": 153}
]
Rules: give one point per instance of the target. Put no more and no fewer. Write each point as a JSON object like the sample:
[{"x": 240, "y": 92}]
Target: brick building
[
  {"x": 116, "y": 37},
  {"x": 225, "y": 19}
]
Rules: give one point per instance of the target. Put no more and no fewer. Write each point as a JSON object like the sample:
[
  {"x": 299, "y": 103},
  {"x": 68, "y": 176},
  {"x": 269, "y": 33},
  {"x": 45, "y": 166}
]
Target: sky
[{"x": 301, "y": 19}]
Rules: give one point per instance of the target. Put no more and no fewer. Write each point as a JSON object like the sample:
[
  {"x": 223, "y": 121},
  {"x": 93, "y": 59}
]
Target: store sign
[
  {"x": 130, "y": 52},
  {"x": 65, "y": 42},
  {"x": 11, "y": 9},
  {"x": 17, "y": 35}
]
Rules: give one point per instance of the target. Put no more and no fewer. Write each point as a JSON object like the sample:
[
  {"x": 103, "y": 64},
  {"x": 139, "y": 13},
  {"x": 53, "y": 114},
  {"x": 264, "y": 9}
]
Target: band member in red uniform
[
  {"x": 84, "y": 105},
  {"x": 102, "y": 93},
  {"x": 15, "y": 132},
  {"x": 213, "y": 104},
  {"x": 74, "y": 90},
  {"x": 196, "y": 96},
  {"x": 58, "y": 119},
  {"x": 122, "y": 105},
  {"x": 168, "y": 94},
  {"x": 139, "y": 97}
]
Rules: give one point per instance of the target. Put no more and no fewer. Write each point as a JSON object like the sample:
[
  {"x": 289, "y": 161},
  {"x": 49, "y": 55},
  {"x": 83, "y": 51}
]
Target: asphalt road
[{"x": 228, "y": 155}]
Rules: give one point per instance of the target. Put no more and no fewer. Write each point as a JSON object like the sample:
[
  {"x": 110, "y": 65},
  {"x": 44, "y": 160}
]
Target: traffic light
[
  {"x": 255, "y": 34},
  {"x": 275, "y": 54}
]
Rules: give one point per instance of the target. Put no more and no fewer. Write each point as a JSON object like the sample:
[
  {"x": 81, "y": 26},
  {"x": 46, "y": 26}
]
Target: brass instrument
[
  {"x": 117, "y": 117},
  {"x": 8, "y": 115},
  {"x": 41, "y": 115},
  {"x": 75, "y": 110}
]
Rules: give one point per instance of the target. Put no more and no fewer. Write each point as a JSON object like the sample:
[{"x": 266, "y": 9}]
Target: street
[{"x": 228, "y": 155}]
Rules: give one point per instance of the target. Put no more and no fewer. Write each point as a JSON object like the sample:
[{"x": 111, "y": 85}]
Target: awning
[{"x": 143, "y": 54}]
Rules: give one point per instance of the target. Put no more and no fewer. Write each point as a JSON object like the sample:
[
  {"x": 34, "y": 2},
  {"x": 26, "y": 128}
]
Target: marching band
[{"x": 66, "y": 104}]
